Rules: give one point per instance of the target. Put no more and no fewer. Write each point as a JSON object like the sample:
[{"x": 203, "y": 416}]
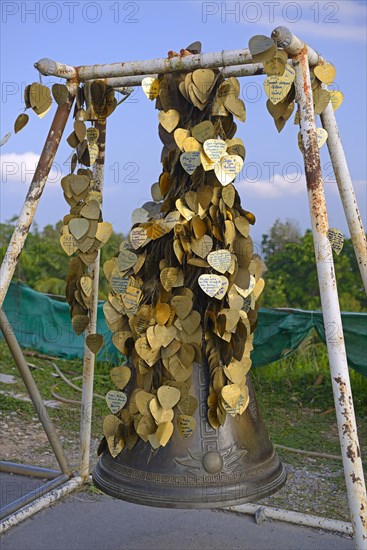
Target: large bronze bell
[
  {"x": 213, "y": 468},
  {"x": 196, "y": 214}
]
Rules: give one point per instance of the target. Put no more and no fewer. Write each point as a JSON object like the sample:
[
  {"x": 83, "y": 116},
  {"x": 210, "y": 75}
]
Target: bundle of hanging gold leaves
[
  {"x": 279, "y": 88},
  {"x": 36, "y": 97},
  {"x": 279, "y": 84},
  {"x": 84, "y": 232},
  {"x": 184, "y": 288}
]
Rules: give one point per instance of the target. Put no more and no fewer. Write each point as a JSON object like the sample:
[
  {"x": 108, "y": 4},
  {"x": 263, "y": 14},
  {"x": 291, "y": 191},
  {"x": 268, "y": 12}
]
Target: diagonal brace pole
[
  {"x": 89, "y": 357},
  {"x": 346, "y": 421},
  {"x": 345, "y": 185},
  {"x": 34, "y": 394}
]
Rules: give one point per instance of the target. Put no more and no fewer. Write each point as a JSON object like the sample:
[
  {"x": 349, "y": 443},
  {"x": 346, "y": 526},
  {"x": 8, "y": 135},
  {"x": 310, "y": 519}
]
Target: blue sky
[{"x": 80, "y": 33}]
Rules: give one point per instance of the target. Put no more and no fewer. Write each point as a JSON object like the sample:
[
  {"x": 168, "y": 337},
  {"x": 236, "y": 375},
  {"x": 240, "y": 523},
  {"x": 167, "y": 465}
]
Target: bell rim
[{"x": 190, "y": 496}]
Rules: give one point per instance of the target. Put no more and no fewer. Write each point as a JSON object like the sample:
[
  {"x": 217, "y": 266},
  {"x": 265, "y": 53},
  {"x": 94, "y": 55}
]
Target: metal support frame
[
  {"x": 28, "y": 470},
  {"x": 345, "y": 185},
  {"x": 263, "y": 513},
  {"x": 121, "y": 82},
  {"x": 34, "y": 394},
  {"x": 40, "y": 503},
  {"x": 89, "y": 357},
  {"x": 9, "y": 509},
  {"x": 212, "y": 60},
  {"x": 347, "y": 427},
  {"x": 234, "y": 63},
  {"x": 164, "y": 65},
  {"x": 6, "y": 273}
]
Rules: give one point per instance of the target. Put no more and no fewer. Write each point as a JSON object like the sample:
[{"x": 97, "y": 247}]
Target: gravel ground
[{"x": 314, "y": 486}]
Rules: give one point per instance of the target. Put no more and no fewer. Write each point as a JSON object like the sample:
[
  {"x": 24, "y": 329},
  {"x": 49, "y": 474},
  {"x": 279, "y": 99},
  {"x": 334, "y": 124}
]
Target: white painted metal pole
[
  {"x": 235, "y": 70},
  {"x": 34, "y": 194},
  {"x": 39, "y": 504},
  {"x": 89, "y": 357},
  {"x": 345, "y": 185},
  {"x": 34, "y": 393},
  {"x": 349, "y": 444},
  {"x": 262, "y": 513},
  {"x": 225, "y": 58},
  {"x": 124, "y": 82}
]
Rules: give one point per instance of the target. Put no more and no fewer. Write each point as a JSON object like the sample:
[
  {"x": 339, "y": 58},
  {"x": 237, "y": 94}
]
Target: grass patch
[
  {"x": 295, "y": 397},
  {"x": 66, "y": 417}
]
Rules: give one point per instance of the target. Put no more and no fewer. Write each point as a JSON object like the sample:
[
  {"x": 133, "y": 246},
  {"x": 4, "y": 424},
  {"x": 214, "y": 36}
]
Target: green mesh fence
[{"x": 43, "y": 324}]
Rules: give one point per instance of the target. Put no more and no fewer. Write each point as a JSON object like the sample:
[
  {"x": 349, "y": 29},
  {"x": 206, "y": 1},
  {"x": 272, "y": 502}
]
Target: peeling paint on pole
[
  {"x": 227, "y": 58},
  {"x": 293, "y": 45},
  {"x": 135, "y": 80},
  {"x": 330, "y": 303}
]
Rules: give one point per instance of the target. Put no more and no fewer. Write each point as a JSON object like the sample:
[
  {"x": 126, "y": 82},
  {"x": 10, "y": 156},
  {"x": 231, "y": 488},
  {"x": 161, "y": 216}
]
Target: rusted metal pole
[
  {"x": 34, "y": 394},
  {"x": 122, "y": 83},
  {"x": 225, "y": 58},
  {"x": 345, "y": 185},
  {"x": 348, "y": 436},
  {"x": 284, "y": 38},
  {"x": 34, "y": 194},
  {"x": 89, "y": 357}
]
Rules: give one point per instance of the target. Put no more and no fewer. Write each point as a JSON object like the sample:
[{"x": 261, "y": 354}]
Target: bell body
[{"x": 211, "y": 469}]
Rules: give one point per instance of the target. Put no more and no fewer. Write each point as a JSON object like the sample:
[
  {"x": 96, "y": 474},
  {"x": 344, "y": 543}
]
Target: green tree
[
  {"x": 281, "y": 234},
  {"x": 43, "y": 264},
  {"x": 291, "y": 279}
]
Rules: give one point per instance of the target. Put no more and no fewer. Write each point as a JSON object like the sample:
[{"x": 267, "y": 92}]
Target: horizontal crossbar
[{"x": 224, "y": 59}]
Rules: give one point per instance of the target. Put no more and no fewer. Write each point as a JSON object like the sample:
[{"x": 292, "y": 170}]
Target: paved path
[{"x": 83, "y": 521}]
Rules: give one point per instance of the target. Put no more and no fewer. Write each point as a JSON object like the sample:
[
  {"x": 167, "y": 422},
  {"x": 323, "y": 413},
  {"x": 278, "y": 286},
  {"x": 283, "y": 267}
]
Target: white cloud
[
  {"x": 360, "y": 185},
  {"x": 348, "y": 33},
  {"x": 18, "y": 168},
  {"x": 341, "y": 19},
  {"x": 292, "y": 184},
  {"x": 280, "y": 186}
]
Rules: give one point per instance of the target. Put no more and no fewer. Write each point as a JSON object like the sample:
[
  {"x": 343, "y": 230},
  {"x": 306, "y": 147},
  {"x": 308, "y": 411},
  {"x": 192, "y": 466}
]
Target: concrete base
[{"x": 86, "y": 521}]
